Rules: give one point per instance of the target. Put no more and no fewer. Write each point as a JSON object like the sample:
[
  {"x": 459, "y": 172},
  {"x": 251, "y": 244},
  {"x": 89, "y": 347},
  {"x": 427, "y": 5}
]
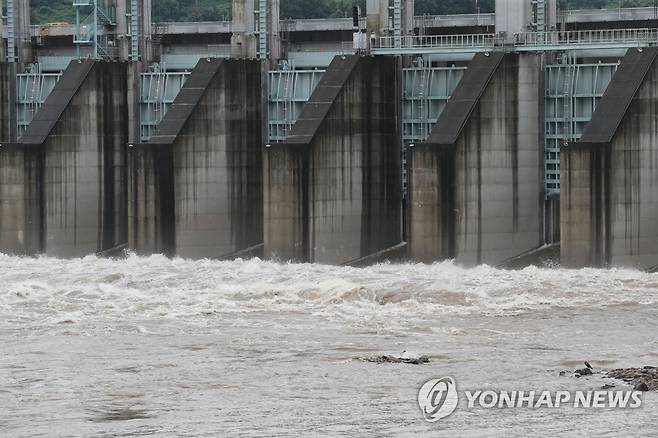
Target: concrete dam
[{"x": 488, "y": 139}]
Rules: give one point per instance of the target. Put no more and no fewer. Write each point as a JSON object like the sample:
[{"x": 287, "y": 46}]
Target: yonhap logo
[{"x": 438, "y": 398}]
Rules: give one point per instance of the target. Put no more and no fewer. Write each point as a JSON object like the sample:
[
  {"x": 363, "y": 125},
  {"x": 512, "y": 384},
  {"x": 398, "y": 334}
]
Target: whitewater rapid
[
  {"x": 45, "y": 291},
  {"x": 154, "y": 346}
]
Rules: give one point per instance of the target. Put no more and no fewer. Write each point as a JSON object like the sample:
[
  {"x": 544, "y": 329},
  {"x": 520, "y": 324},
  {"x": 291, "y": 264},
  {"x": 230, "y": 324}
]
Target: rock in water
[
  {"x": 393, "y": 359},
  {"x": 584, "y": 372},
  {"x": 642, "y": 379}
]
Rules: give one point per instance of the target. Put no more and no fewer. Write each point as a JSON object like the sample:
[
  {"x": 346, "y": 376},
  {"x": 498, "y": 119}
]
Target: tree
[{"x": 45, "y": 11}]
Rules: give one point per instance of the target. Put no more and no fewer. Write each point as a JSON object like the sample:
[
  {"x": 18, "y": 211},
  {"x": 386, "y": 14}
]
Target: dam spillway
[
  {"x": 333, "y": 142},
  {"x": 474, "y": 183},
  {"x": 195, "y": 189},
  {"x": 65, "y": 177},
  {"x": 333, "y": 191}
]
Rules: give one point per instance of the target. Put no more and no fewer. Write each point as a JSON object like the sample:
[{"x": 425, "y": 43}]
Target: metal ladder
[
  {"x": 11, "y": 32},
  {"x": 421, "y": 95},
  {"x": 567, "y": 93},
  {"x": 134, "y": 30},
  {"x": 34, "y": 80},
  {"x": 262, "y": 31},
  {"x": 288, "y": 86},
  {"x": 397, "y": 23}
]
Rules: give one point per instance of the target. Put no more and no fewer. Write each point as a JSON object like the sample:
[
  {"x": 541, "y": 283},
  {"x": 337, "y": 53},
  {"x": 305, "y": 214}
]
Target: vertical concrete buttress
[
  {"x": 71, "y": 160},
  {"x": 609, "y": 200},
  {"x": 476, "y": 185},
  {"x": 24, "y": 49},
  {"x": 243, "y": 39},
  {"x": 21, "y": 173},
  {"x": 196, "y": 188},
  {"x": 377, "y": 16},
  {"x": 408, "y": 17},
  {"x": 512, "y": 16},
  {"x": 332, "y": 190},
  {"x": 8, "y": 101}
]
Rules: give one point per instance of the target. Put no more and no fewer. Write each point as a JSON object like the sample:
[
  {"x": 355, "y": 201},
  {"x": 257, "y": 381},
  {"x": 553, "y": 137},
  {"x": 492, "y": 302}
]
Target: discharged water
[{"x": 153, "y": 346}]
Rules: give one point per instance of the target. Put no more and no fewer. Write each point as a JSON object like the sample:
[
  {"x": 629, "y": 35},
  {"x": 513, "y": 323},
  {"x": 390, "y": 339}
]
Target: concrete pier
[
  {"x": 196, "y": 188},
  {"x": 243, "y": 39},
  {"x": 609, "y": 202},
  {"x": 332, "y": 191},
  {"x": 71, "y": 160},
  {"x": 21, "y": 171},
  {"x": 377, "y": 16},
  {"x": 483, "y": 185},
  {"x": 475, "y": 187},
  {"x": 8, "y": 101}
]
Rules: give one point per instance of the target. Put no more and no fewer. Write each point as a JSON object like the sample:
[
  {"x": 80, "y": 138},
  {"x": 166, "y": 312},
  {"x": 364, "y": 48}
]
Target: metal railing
[
  {"x": 528, "y": 40},
  {"x": 603, "y": 36},
  {"x": 429, "y": 41}
]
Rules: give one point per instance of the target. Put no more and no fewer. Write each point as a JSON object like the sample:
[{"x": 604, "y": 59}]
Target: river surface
[{"x": 159, "y": 347}]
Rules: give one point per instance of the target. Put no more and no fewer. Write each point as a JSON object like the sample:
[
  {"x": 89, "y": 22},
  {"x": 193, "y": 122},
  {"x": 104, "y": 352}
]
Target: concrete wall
[
  {"x": 634, "y": 181},
  {"x": 377, "y": 16},
  {"x": 332, "y": 192},
  {"x": 20, "y": 199},
  {"x": 85, "y": 165},
  {"x": 286, "y": 200},
  {"x": 63, "y": 189},
  {"x": 196, "y": 190},
  {"x": 499, "y": 168},
  {"x": 243, "y": 39},
  {"x": 24, "y": 47},
  {"x": 513, "y": 16},
  {"x": 582, "y": 210},
  {"x": 610, "y": 190},
  {"x": 151, "y": 226},
  {"x": 408, "y": 17},
  {"x": 7, "y": 102},
  {"x": 479, "y": 199},
  {"x": 431, "y": 208}
]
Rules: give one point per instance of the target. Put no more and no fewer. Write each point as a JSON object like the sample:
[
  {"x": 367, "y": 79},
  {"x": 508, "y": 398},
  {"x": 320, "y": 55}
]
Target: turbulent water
[{"x": 152, "y": 346}]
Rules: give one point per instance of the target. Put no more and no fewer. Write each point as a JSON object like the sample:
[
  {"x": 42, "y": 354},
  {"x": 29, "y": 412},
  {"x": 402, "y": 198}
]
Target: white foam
[{"x": 42, "y": 290}]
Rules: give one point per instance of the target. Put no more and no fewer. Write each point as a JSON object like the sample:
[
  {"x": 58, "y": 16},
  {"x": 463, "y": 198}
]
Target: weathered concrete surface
[
  {"x": 76, "y": 146},
  {"x": 286, "y": 209},
  {"x": 243, "y": 39},
  {"x": 20, "y": 199},
  {"x": 84, "y": 165},
  {"x": 545, "y": 257},
  {"x": 609, "y": 201},
  {"x": 196, "y": 188},
  {"x": 431, "y": 203},
  {"x": 332, "y": 191},
  {"x": 377, "y": 12},
  {"x": 151, "y": 227},
  {"x": 7, "y": 102},
  {"x": 19, "y": 177},
  {"x": 582, "y": 213},
  {"x": 476, "y": 185}
]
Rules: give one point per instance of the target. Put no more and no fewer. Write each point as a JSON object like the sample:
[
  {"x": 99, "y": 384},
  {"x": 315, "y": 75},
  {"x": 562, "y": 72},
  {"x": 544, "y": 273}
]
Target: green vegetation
[
  {"x": 191, "y": 10},
  {"x": 47, "y": 11}
]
